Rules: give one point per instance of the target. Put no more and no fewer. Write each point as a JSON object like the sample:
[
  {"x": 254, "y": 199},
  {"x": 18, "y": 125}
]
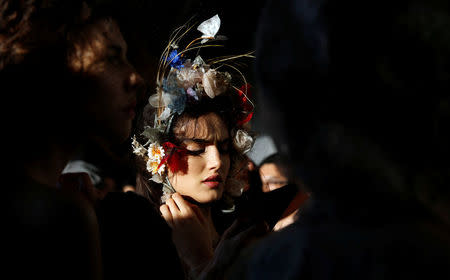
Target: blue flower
[
  {"x": 178, "y": 104},
  {"x": 175, "y": 60},
  {"x": 170, "y": 85}
]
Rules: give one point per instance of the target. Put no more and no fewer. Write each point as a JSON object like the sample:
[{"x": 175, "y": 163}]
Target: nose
[
  {"x": 135, "y": 83},
  {"x": 214, "y": 158}
]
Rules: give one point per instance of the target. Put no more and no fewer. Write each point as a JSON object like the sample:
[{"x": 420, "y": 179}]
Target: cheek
[
  {"x": 184, "y": 179},
  {"x": 195, "y": 165},
  {"x": 101, "y": 95},
  {"x": 111, "y": 87},
  {"x": 110, "y": 93}
]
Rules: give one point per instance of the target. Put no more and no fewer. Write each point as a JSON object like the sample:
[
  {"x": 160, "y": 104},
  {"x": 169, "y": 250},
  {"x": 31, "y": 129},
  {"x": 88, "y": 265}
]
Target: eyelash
[
  {"x": 195, "y": 152},
  {"x": 222, "y": 150}
]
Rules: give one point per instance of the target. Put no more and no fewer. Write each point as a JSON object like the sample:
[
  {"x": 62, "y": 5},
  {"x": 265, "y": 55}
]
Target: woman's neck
[{"x": 206, "y": 211}]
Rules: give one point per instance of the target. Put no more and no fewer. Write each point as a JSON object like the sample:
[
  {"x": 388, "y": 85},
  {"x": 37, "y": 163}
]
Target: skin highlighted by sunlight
[
  {"x": 99, "y": 55},
  {"x": 272, "y": 178},
  {"x": 206, "y": 141}
]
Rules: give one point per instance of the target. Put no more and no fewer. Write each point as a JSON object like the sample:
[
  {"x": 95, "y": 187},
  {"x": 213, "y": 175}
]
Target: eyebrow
[{"x": 204, "y": 141}]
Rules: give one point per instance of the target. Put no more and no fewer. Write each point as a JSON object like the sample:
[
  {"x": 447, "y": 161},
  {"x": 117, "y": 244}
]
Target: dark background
[{"x": 147, "y": 25}]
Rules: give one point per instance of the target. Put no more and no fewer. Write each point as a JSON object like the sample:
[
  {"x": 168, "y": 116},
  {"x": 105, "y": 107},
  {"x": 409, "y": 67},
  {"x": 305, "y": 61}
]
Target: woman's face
[
  {"x": 99, "y": 55},
  {"x": 207, "y": 143}
]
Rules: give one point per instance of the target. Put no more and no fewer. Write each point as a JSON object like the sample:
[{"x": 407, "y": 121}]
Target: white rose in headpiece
[
  {"x": 242, "y": 141},
  {"x": 188, "y": 76},
  {"x": 215, "y": 83}
]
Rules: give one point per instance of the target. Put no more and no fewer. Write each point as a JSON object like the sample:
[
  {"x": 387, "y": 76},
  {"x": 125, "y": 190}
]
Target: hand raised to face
[{"x": 189, "y": 231}]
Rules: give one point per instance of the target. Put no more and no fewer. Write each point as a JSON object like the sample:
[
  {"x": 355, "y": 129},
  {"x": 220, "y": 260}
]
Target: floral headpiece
[{"x": 181, "y": 82}]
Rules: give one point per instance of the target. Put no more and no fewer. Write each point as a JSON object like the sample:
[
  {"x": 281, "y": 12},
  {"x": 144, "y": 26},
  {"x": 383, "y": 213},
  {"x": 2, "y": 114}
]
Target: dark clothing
[
  {"x": 364, "y": 153},
  {"x": 136, "y": 241},
  {"x": 49, "y": 234},
  {"x": 324, "y": 245},
  {"x": 255, "y": 206}
]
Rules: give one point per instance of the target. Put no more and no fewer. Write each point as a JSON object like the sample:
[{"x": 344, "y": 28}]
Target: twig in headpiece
[{"x": 230, "y": 57}]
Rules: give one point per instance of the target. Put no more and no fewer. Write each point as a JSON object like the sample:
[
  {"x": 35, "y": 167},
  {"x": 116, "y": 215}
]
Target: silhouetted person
[{"x": 363, "y": 91}]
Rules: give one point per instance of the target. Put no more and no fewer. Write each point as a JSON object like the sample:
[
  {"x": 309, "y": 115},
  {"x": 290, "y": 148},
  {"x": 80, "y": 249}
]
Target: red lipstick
[
  {"x": 130, "y": 110},
  {"x": 213, "y": 181}
]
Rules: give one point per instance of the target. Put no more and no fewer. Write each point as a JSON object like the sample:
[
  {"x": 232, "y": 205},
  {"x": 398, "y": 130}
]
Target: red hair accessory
[
  {"x": 245, "y": 104},
  {"x": 174, "y": 157}
]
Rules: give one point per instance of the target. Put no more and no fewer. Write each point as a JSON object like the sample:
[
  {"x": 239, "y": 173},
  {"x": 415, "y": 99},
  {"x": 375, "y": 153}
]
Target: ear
[{"x": 85, "y": 12}]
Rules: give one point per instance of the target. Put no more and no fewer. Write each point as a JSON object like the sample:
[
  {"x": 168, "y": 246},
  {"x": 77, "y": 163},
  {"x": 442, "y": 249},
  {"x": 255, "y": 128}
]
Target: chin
[
  {"x": 115, "y": 132},
  {"x": 209, "y": 197},
  {"x": 123, "y": 134}
]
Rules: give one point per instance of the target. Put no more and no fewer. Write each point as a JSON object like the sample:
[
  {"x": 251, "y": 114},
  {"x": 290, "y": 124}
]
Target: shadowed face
[
  {"x": 99, "y": 55},
  {"x": 207, "y": 143},
  {"x": 272, "y": 177}
]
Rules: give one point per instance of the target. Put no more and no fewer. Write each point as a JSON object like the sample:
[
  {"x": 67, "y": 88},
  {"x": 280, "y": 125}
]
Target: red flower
[
  {"x": 246, "y": 107},
  {"x": 175, "y": 157}
]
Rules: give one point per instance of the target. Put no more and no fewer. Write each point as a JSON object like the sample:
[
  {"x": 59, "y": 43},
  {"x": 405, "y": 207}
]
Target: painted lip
[
  {"x": 130, "y": 110},
  {"x": 213, "y": 181}
]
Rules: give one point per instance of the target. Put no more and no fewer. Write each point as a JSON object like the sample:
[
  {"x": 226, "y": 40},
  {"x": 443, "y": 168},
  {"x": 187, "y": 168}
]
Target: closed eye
[
  {"x": 196, "y": 147},
  {"x": 195, "y": 152}
]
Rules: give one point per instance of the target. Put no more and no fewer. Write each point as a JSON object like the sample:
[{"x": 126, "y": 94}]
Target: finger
[
  {"x": 183, "y": 205},
  {"x": 173, "y": 208},
  {"x": 279, "y": 225},
  {"x": 128, "y": 188},
  {"x": 167, "y": 215}
]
